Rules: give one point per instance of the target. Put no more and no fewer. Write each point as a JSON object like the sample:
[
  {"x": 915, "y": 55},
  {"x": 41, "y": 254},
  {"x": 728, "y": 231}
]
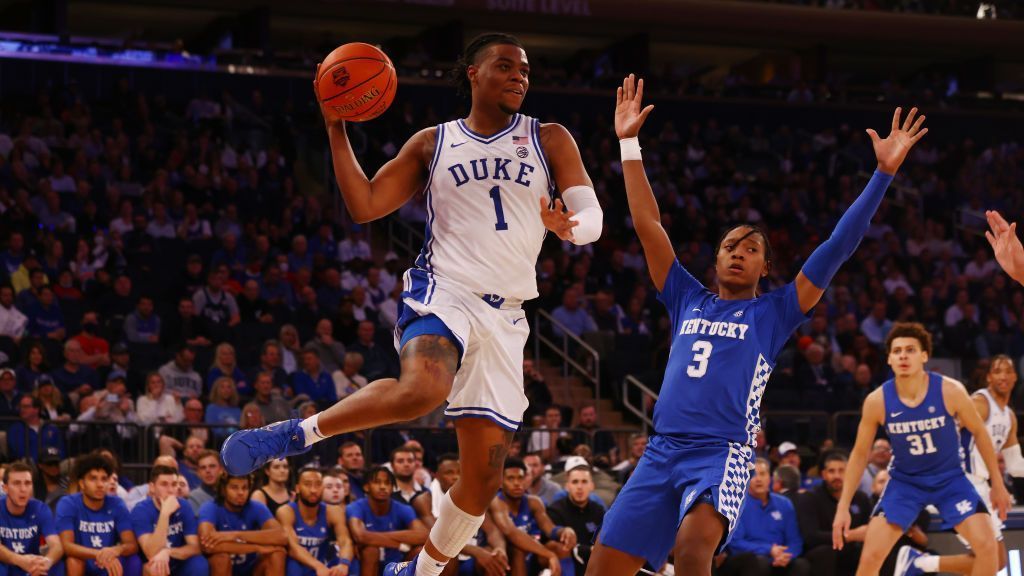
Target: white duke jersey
[
  {"x": 484, "y": 230},
  {"x": 998, "y": 426}
]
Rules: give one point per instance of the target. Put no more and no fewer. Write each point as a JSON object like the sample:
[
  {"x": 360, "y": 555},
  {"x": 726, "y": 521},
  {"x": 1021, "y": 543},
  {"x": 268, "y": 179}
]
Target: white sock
[
  {"x": 452, "y": 531},
  {"x": 311, "y": 430},
  {"x": 928, "y": 563}
]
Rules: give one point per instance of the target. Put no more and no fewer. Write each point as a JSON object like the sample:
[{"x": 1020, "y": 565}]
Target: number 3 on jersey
[
  {"x": 701, "y": 354},
  {"x": 496, "y": 197}
]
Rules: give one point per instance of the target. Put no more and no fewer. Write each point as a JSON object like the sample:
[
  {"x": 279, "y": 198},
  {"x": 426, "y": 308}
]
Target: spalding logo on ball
[{"x": 362, "y": 82}]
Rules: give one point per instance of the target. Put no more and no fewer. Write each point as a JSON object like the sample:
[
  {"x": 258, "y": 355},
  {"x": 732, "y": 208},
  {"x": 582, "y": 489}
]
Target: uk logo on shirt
[
  {"x": 776, "y": 515},
  {"x": 97, "y": 542}
]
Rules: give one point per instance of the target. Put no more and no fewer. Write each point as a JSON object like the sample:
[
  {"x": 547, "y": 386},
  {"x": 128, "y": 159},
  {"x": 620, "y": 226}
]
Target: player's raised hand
[
  {"x": 330, "y": 119},
  {"x": 630, "y": 113},
  {"x": 840, "y": 526},
  {"x": 892, "y": 150},
  {"x": 556, "y": 219},
  {"x": 1006, "y": 245}
]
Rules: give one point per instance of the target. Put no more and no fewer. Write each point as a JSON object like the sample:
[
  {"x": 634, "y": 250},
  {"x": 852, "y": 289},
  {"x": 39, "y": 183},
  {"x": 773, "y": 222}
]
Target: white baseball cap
[{"x": 786, "y": 448}]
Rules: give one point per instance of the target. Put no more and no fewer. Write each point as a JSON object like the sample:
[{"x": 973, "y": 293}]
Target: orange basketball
[{"x": 357, "y": 82}]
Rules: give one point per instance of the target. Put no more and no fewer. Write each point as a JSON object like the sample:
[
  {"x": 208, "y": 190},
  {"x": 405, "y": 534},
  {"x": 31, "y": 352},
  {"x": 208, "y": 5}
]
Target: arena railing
[
  {"x": 567, "y": 351},
  {"x": 404, "y": 238},
  {"x": 639, "y": 400}
]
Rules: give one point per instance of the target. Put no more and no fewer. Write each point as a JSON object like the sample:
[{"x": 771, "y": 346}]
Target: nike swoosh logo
[
  {"x": 696, "y": 310},
  {"x": 894, "y": 414},
  {"x": 516, "y": 321},
  {"x": 454, "y": 145}
]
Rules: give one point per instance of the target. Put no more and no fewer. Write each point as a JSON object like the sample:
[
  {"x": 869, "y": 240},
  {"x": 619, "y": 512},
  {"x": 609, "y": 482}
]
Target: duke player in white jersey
[
  {"x": 688, "y": 488},
  {"x": 993, "y": 405},
  {"x": 921, "y": 413},
  {"x": 489, "y": 180}
]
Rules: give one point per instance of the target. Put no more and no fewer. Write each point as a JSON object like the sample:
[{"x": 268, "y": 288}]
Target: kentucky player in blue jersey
[
  {"x": 240, "y": 536},
  {"x": 489, "y": 180},
  {"x": 688, "y": 487},
  {"x": 95, "y": 528},
  {"x": 24, "y": 522},
  {"x": 318, "y": 540},
  {"x": 167, "y": 529},
  {"x": 919, "y": 411}
]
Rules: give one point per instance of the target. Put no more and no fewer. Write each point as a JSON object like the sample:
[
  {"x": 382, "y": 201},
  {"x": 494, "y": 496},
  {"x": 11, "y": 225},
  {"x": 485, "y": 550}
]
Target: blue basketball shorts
[{"x": 954, "y": 497}]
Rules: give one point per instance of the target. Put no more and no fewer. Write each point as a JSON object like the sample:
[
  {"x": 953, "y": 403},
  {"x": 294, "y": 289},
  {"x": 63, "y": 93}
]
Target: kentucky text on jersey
[
  {"x": 19, "y": 533},
  {"x": 726, "y": 329},
  {"x": 500, "y": 172},
  {"x": 916, "y": 425},
  {"x": 96, "y": 527}
]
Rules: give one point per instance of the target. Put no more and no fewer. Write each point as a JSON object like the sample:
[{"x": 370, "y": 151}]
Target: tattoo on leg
[
  {"x": 496, "y": 454},
  {"x": 436, "y": 349}
]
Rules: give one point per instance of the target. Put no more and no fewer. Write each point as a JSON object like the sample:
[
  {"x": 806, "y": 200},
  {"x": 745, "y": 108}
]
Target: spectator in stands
[
  {"x": 74, "y": 378},
  {"x": 55, "y": 483},
  {"x": 166, "y": 528},
  {"x": 355, "y": 246},
  {"x": 56, "y": 407},
  {"x": 188, "y": 464},
  {"x": 350, "y": 458},
  {"x": 789, "y": 455},
  {"x": 348, "y": 379},
  {"x": 25, "y": 523},
  {"x": 114, "y": 307},
  {"x": 270, "y": 362},
  {"x": 522, "y": 520},
  {"x": 217, "y": 306},
  {"x": 252, "y": 309},
  {"x": 815, "y": 511},
  {"x": 579, "y": 511},
  {"x": 603, "y": 441},
  {"x": 182, "y": 381},
  {"x": 538, "y": 484},
  {"x": 637, "y": 445},
  {"x": 276, "y": 290},
  {"x": 12, "y": 322},
  {"x": 311, "y": 524},
  {"x": 330, "y": 351},
  {"x": 786, "y": 482},
  {"x": 269, "y": 400},
  {"x": 12, "y": 257},
  {"x": 291, "y": 352},
  {"x": 112, "y": 404},
  {"x": 45, "y": 319},
  {"x": 329, "y": 295},
  {"x": 274, "y": 490},
  {"x": 571, "y": 315},
  {"x": 27, "y": 438},
  {"x": 313, "y": 381},
  {"x": 157, "y": 406},
  {"x": 143, "y": 325},
  {"x": 222, "y": 409},
  {"x": 186, "y": 328},
  {"x": 377, "y": 521},
  {"x": 876, "y": 326},
  {"x": 544, "y": 440},
  {"x": 238, "y": 535},
  {"x": 767, "y": 539},
  {"x": 252, "y": 417},
  {"x": 95, "y": 348},
  {"x": 208, "y": 470},
  {"x": 378, "y": 362},
  {"x": 9, "y": 394},
  {"x": 192, "y": 228},
  {"x": 403, "y": 465},
  {"x": 35, "y": 367},
  {"x": 878, "y": 460},
  {"x": 121, "y": 359},
  {"x": 225, "y": 363},
  {"x": 28, "y": 283},
  {"x": 536, "y": 390},
  {"x": 95, "y": 528}
]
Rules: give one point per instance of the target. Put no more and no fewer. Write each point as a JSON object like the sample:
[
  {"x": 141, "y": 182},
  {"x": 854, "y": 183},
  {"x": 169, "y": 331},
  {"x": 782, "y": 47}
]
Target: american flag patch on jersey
[{"x": 520, "y": 140}]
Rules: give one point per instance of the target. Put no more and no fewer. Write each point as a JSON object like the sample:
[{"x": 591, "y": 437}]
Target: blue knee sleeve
[{"x": 826, "y": 259}]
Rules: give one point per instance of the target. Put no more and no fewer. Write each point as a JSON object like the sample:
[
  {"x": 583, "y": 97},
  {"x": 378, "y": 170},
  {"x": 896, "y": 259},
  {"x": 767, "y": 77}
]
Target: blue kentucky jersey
[
  {"x": 252, "y": 516},
  {"x": 92, "y": 528},
  {"x": 723, "y": 352},
  {"x": 181, "y": 524},
  {"x": 925, "y": 439},
  {"x": 315, "y": 538},
  {"x": 21, "y": 533}
]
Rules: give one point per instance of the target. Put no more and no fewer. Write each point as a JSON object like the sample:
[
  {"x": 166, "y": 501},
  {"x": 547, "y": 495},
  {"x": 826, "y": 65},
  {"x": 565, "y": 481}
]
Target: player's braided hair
[
  {"x": 751, "y": 230},
  {"x": 471, "y": 55}
]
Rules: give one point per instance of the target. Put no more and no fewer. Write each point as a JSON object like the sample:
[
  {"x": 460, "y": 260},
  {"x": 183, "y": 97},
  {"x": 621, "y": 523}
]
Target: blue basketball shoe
[
  {"x": 247, "y": 450},
  {"x": 905, "y": 562},
  {"x": 401, "y": 568}
]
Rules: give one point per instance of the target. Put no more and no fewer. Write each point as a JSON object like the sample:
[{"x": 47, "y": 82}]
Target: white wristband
[{"x": 629, "y": 148}]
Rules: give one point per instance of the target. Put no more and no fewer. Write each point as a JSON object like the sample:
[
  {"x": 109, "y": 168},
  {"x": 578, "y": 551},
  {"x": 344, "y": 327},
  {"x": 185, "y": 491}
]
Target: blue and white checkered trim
[
  {"x": 733, "y": 487},
  {"x": 757, "y": 385}
]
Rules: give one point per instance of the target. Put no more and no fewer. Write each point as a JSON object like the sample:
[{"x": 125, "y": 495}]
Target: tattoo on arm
[{"x": 436, "y": 349}]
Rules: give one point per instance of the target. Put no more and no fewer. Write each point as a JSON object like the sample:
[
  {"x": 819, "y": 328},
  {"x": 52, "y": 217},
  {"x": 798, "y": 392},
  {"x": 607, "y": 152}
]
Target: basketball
[{"x": 357, "y": 82}]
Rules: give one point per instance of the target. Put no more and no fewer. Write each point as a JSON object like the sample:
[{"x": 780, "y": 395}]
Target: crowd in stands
[{"x": 165, "y": 280}]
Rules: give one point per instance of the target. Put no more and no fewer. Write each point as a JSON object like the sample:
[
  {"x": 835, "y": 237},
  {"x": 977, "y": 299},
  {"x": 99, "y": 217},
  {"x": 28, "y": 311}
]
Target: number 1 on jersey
[
  {"x": 701, "y": 354},
  {"x": 496, "y": 197}
]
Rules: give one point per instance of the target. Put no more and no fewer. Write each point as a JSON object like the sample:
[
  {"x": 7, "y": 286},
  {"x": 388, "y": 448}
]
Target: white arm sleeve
[
  {"x": 1014, "y": 461},
  {"x": 583, "y": 201}
]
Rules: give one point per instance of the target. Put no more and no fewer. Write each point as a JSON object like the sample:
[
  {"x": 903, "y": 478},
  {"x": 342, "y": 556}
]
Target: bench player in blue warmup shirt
[
  {"x": 95, "y": 528},
  {"x": 240, "y": 536},
  {"x": 318, "y": 540},
  {"x": 919, "y": 411},
  {"x": 523, "y": 519},
  {"x": 167, "y": 530},
  {"x": 688, "y": 488},
  {"x": 23, "y": 522},
  {"x": 379, "y": 522}
]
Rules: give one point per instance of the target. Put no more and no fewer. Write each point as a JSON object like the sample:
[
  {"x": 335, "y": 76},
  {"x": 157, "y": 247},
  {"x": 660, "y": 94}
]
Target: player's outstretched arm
[
  {"x": 630, "y": 115},
  {"x": 583, "y": 222},
  {"x": 1006, "y": 245},
  {"x": 394, "y": 183},
  {"x": 872, "y": 416},
  {"x": 959, "y": 404},
  {"x": 826, "y": 259}
]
